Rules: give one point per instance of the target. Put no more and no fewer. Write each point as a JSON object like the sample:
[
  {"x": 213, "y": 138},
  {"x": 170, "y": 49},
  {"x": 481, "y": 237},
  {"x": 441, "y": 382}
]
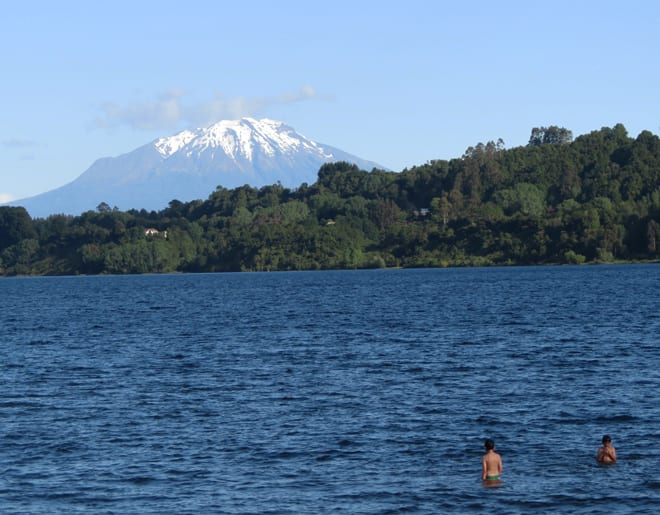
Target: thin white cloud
[
  {"x": 26, "y": 148},
  {"x": 170, "y": 111},
  {"x": 5, "y": 197},
  {"x": 19, "y": 143},
  {"x": 165, "y": 112}
]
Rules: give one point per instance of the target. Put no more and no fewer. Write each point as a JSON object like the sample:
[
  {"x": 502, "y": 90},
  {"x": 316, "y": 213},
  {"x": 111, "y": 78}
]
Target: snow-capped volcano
[
  {"x": 241, "y": 140},
  {"x": 191, "y": 164}
]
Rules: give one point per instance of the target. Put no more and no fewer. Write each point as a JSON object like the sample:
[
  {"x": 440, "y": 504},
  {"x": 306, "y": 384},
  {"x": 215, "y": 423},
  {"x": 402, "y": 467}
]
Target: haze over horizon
[{"x": 395, "y": 84}]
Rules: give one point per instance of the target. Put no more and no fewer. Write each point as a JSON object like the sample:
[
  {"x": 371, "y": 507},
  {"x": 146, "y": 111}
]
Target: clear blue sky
[{"x": 399, "y": 83}]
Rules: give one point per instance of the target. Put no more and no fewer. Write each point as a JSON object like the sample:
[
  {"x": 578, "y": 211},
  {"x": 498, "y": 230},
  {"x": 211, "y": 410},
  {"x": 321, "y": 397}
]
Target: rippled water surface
[{"x": 322, "y": 392}]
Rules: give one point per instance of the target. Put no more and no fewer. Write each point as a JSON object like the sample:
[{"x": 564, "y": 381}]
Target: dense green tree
[
  {"x": 550, "y": 135},
  {"x": 15, "y": 225}
]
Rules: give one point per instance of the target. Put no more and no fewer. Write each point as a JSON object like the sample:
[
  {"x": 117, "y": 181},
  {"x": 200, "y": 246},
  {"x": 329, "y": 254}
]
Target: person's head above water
[
  {"x": 489, "y": 444},
  {"x": 607, "y": 439}
]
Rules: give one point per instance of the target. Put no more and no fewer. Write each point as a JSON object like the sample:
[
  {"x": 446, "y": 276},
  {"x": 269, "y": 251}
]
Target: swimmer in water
[
  {"x": 607, "y": 453},
  {"x": 491, "y": 464}
]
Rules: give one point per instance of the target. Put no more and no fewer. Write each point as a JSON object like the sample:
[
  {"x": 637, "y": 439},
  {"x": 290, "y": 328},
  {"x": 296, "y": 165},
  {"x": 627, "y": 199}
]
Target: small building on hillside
[
  {"x": 421, "y": 213},
  {"x": 151, "y": 231}
]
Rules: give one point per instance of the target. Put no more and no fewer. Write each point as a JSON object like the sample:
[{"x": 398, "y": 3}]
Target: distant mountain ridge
[{"x": 191, "y": 164}]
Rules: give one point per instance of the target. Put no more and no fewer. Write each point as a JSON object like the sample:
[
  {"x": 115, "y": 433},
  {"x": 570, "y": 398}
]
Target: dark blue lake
[{"x": 331, "y": 392}]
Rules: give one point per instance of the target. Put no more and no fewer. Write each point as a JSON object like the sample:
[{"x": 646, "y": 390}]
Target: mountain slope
[{"x": 191, "y": 164}]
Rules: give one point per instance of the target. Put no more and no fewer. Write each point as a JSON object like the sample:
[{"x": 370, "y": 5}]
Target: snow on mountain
[
  {"x": 191, "y": 164},
  {"x": 171, "y": 145},
  {"x": 240, "y": 139}
]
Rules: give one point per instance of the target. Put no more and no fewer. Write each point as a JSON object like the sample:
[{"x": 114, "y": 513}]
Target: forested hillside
[{"x": 555, "y": 200}]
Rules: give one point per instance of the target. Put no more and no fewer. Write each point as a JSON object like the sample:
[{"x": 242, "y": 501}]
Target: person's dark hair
[
  {"x": 606, "y": 438},
  {"x": 489, "y": 444}
]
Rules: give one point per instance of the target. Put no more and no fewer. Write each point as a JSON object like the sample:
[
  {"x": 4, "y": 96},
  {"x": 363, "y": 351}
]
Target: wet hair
[
  {"x": 489, "y": 444},
  {"x": 606, "y": 438}
]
